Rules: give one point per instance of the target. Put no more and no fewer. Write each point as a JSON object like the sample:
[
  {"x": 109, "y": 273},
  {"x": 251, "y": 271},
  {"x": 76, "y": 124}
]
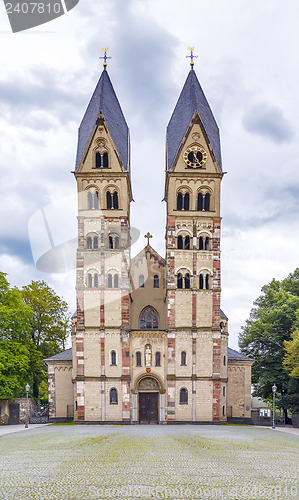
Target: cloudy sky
[{"x": 248, "y": 67}]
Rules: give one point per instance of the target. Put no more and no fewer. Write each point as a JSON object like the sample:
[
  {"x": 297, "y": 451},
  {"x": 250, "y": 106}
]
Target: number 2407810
[{"x": 33, "y": 8}]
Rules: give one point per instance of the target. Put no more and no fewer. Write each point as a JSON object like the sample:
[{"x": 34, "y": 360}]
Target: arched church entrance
[{"x": 148, "y": 400}]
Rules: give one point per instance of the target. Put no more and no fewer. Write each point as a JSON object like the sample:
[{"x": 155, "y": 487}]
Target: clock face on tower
[{"x": 195, "y": 156}]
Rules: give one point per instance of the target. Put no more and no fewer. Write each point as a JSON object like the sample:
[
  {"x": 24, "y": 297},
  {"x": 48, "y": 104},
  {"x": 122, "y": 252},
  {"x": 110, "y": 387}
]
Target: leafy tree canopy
[
  {"x": 272, "y": 320},
  {"x": 291, "y": 358},
  {"x": 34, "y": 324}
]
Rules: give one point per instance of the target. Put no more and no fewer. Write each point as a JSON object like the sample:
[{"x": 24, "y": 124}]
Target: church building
[{"x": 149, "y": 339}]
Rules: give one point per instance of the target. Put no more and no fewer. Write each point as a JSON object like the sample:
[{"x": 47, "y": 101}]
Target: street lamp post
[
  {"x": 27, "y": 390},
  {"x": 274, "y": 389}
]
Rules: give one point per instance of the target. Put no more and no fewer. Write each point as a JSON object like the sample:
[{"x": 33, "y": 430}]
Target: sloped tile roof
[
  {"x": 61, "y": 356},
  {"x": 104, "y": 100},
  {"x": 237, "y": 356},
  {"x": 191, "y": 99}
]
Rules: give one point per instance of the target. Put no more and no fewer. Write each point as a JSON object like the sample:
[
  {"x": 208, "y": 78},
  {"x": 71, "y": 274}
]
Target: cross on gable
[{"x": 148, "y": 236}]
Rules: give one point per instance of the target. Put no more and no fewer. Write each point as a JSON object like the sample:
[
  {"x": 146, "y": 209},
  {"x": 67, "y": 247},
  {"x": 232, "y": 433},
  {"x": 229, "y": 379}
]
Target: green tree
[
  {"x": 274, "y": 317},
  {"x": 49, "y": 325},
  {"x": 291, "y": 358},
  {"x": 15, "y": 368}
]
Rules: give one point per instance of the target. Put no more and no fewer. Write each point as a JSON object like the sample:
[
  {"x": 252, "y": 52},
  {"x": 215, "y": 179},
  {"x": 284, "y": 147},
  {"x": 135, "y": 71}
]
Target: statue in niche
[{"x": 148, "y": 356}]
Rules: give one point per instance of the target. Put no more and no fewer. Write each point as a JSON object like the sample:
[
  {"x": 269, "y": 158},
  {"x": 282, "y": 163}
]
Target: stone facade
[{"x": 149, "y": 340}]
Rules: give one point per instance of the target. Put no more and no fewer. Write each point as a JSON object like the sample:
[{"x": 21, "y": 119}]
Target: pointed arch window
[
  {"x": 149, "y": 319},
  {"x": 113, "y": 396},
  {"x": 156, "y": 281},
  {"x": 98, "y": 160},
  {"x": 183, "y": 396}
]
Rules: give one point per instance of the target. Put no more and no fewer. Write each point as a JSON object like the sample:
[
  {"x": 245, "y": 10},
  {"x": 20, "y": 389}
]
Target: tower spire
[
  {"x": 192, "y": 56},
  {"x": 105, "y": 57}
]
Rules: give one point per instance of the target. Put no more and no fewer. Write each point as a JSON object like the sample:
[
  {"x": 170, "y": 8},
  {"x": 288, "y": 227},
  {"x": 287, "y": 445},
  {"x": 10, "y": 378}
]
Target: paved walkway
[
  {"x": 10, "y": 429},
  {"x": 88, "y": 462}
]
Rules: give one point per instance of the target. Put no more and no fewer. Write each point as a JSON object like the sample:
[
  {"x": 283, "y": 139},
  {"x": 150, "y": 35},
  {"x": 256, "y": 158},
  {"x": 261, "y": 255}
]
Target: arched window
[
  {"x": 141, "y": 281},
  {"x": 204, "y": 281},
  {"x": 187, "y": 243},
  {"x": 186, "y": 201},
  {"x": 204, "y": 243},
  {"x": 224, "y": 360},
  {"x": 115, "y": 281},
  {"x": 90, "y": 200},
  {"x": 113, "y": 396},
  {"x": 109, "y": 280},
  {"x": 115, "y": 200},
  {"x": 207, "y": 243},
  {"x": 183, "y": 201},
  {"x": 138, "y": 358},
  {"x": 207, "y": 281},
  {"x": 201, "y": 281},
  {"x": 156, "y": 281},
  {"x": 89, "y": 280},
  {"x": 89, "y": 242},
  {"x": 207, "y": 202},
  {"x": 179, "y": 202},
  {"x": 180, "y": 243},
  {"x": 105, "y": 160},
  {"x": 183, "y": 358},
  {"x": 203, "y": 202},
  {"x": 223, "y": 391},
  {"x": 109, "y": 200},
  {"x": 96, "y": 280},
  {"x": 183, "y": 396},
  {"x": 112, "y": 200},
  {"x": 149, "y": 319},
  {"x": 180, "y": 280},
  {"x": 113, "y": 358},
  {"x": 158, "y": 359},
  {"x": 187, "y": 280},
  {"x": 96, "y": 200},
  {"x": 200, "y": 202},
  {"x": 113, "y": 241},
  {"x": 223, "y": 410},
  {"x": 98, "y": 160},
  {"x": 96, "y": 243}
]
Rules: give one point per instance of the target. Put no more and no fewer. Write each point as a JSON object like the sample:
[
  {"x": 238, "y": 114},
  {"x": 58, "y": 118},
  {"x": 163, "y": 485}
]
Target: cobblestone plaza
[{"x": 65, "y": 462}]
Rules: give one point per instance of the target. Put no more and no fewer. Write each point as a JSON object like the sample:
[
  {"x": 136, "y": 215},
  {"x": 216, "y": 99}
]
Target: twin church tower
[{"x": 149, "y": 340}]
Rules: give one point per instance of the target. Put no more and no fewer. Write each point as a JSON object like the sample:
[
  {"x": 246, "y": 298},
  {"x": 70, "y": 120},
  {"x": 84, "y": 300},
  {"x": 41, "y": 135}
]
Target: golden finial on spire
[
  {"x": 105, "y": 57},
  {"x": 192, "y": 56}
]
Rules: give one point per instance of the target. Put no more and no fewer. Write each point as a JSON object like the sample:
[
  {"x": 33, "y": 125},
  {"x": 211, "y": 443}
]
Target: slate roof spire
[
  {"x": 104, "y": 101},
  {"x": 191, "y": 99}
]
